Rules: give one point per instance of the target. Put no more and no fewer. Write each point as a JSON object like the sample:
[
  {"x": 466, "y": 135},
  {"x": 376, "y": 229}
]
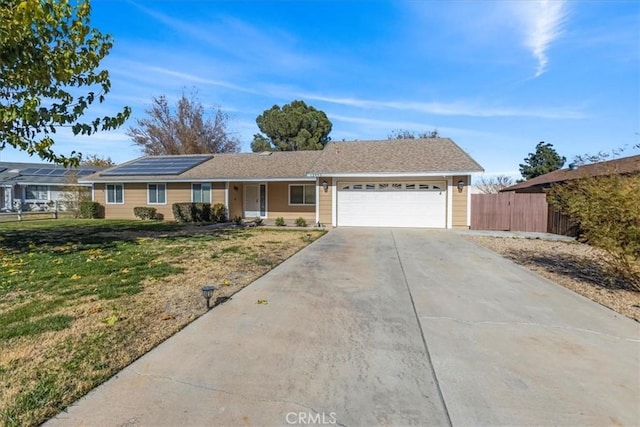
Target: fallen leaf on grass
[
  {"x": 262, "y": 301},
  {"x": 76, "y": 277},
  {"x": 111, "y": 320},
  {"x": 167, "y": 316}
]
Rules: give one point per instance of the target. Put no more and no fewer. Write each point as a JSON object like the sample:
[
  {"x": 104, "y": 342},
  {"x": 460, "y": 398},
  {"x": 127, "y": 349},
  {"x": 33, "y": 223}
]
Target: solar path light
[{"x": 207, "y": 293}]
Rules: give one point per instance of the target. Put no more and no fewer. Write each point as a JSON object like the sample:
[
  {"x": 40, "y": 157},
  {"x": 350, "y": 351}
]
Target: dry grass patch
[
  {"x": 574, "y": 265},
  {"x": 80, "y": 300}
]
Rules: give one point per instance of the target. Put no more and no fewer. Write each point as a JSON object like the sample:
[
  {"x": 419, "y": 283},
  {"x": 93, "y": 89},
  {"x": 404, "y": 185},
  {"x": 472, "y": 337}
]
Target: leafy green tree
[
  {"x": 296, "y": 126},
  {"x": 546, "y": 159},
  {"x": 49, "y": 59},
  {"x": 183, "y": 130}
]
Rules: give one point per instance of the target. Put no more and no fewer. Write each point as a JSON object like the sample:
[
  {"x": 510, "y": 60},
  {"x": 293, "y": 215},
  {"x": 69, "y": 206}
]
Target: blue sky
[{"x": 495, "y": 76}]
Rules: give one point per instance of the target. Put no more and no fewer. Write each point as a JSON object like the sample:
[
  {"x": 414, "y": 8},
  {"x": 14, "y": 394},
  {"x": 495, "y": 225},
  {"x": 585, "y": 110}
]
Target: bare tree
[
  {"x": 601, "y": 156},
  {"x": 408, "y": 134},
  {"x": 183, "y": 131},
  {"x": 494, "y": 184},
  {"x": 96, "y": 160},
  {"x": 73, "y": 194}
]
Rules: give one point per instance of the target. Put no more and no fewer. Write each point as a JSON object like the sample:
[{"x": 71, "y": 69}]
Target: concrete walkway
[{"x": 386, "y": 327}]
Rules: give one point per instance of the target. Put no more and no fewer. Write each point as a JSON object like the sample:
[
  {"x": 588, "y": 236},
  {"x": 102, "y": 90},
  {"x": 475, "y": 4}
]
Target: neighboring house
[
  {"x": 39, "y": 187},
  {"x": 624, "y": 165},
  {"x": 395, "y": 183}
]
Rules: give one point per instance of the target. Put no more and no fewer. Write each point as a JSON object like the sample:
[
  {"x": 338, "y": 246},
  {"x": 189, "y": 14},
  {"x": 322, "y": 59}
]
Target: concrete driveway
[{"x": 386, "y": 327}]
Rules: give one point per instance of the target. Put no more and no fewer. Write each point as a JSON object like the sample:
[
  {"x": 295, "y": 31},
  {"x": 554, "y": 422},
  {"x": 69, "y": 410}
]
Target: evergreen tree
[{"x": 546, "y": 159}]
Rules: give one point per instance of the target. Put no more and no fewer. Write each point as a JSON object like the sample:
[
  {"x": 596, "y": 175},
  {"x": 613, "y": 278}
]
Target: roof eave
[
  {"x": 227, "y": 179},
  {"x": 390, "y": 174}
]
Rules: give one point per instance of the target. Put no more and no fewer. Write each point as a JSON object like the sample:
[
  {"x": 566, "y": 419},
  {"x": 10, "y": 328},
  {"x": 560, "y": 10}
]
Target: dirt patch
[{"x": 574, "y": 265}]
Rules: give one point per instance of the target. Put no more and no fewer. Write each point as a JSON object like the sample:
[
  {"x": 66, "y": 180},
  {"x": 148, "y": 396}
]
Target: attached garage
[{"x": 392, "y": 204}]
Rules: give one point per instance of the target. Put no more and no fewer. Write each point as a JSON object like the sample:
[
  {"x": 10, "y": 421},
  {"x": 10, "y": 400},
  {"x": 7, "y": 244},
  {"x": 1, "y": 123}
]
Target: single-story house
[
  {"x": 394, "y": 183},
  {"x": 622, "y": 166},
  {"x": 39, "y": 187}
]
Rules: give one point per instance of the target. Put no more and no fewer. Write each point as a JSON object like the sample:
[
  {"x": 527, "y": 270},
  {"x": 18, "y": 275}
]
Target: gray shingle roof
[
  {"x": 234, "y": 166},
  {"x": 394, "y": 156},
  {"x": 280, "y": 164},
  {"x": 428, "y": 155}
]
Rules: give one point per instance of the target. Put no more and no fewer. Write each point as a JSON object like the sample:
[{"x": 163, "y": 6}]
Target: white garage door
[{"x": 392, "y": 204}]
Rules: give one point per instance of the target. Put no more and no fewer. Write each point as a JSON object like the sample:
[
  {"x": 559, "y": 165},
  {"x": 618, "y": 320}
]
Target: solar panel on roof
[
  {"x": 158, "y": 166},
  {"x": 55, "y": 172}
]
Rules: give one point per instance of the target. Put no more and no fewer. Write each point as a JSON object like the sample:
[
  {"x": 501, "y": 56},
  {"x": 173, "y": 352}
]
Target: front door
[{"x": 255, "y": 200}]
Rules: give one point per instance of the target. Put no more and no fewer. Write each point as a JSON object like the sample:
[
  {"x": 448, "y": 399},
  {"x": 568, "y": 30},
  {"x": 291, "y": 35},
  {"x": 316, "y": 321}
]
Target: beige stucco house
[{"x": 391, "y": 183}]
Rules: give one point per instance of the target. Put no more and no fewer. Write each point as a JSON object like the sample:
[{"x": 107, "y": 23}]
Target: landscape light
[{"x": 207, "y": 293}]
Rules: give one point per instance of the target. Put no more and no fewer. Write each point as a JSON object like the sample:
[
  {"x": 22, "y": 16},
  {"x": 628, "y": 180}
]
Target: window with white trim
[
  {"x": 157, "y": 194},
  {"x": 302, "y": 194},
  {"x": 201, "y": 193},
  {"x": 36, "y": 192},
  {"x": 115, "y": 194}
]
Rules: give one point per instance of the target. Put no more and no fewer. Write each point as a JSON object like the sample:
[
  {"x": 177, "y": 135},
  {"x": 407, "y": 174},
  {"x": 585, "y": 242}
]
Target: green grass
[
  {"x": 46, "y": 269},
  {"x": 72, "y": 311},
  {"x": 65, "y": 260},
  {"x": 232, "y": 249}
]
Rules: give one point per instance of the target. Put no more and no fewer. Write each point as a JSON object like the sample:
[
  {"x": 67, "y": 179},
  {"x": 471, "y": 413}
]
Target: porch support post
[
  {"x": 318, "y": 189},
  {"x": 450, "y": 190},
  {"x": 226, "y": 195}
]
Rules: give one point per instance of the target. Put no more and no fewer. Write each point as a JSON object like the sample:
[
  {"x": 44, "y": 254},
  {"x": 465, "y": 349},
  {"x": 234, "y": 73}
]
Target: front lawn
[{"x": 81, "y": 299}]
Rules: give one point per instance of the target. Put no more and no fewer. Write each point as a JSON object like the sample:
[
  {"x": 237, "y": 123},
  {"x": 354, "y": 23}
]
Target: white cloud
[
  {"x": 542, "y": 21},
  {"x": 459, "y": 108},
  {"x": 197, "y": 79}
]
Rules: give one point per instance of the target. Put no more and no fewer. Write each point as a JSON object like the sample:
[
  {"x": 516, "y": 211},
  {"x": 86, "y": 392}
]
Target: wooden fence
[
  {"x": 510, "y": 212},
  {"x": 559, "y": 223}
]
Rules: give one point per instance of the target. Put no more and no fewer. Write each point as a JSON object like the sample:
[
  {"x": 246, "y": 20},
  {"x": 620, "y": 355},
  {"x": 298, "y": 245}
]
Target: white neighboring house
[{"x": 39, "y": 186}]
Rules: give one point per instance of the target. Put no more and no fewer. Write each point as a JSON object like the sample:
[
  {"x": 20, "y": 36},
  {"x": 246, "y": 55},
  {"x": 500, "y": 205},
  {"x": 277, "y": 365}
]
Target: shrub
[
  {"x": 144, "y": 212},
  {"x": 89, "y": 209},
  {"x": 607, "y": 212},
  {"x": 280, "y": 222},
  {"x": 192, "y": 212},
  {"x": 182, "y": 212},
  {"x": 237, "y": 220},
  {"x": 203, "y": 212},
  {"x": 219, "y": 213},
  {"x": 301, "y": 222},
  {"x": 258, "y": 221}
]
